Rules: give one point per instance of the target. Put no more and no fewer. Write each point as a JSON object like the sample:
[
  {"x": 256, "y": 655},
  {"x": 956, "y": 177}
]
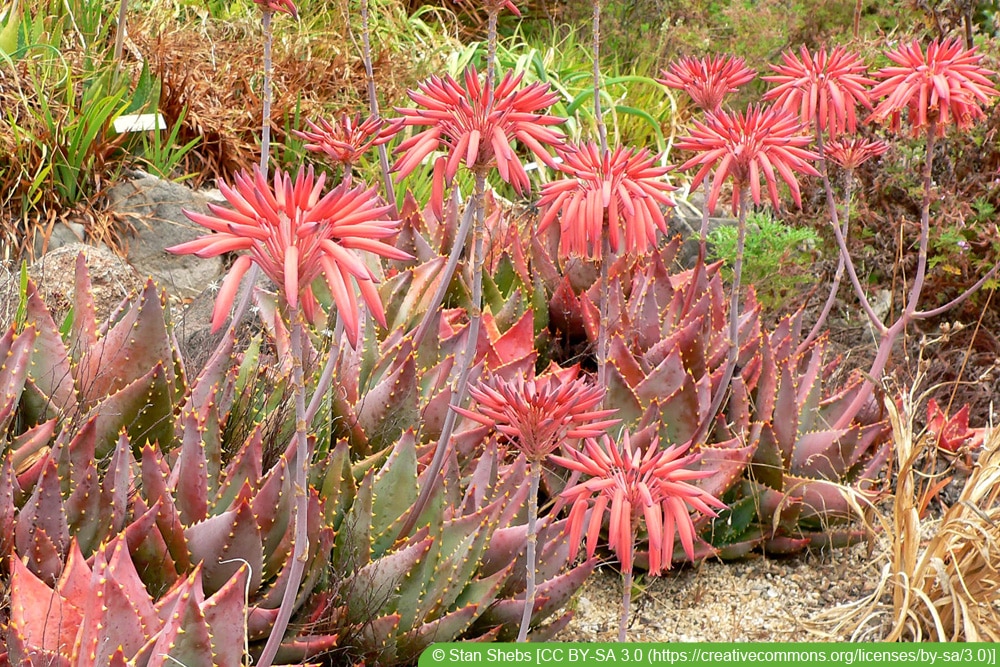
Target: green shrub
[{"x": 777, "y": 257}]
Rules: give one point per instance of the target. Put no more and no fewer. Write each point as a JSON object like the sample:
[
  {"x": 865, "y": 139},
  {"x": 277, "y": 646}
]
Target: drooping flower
[
  {"x": 746, "y": 146},
  {"x": 849, "y": 153},
  {"x": 539, "y": 414},
  {"x": 476, "y": 124},
  {"x": 348, "y": 138},
  {"x": 946, "y": 84},
  {"x": 952, "y": 433},
  {"x": 623, "y": 189},
  {"x": 279, "y": 6},
  {"x": 831, "y": 85},
  {"x": 294, "y": 233},
  {"x": 634, "y": 486},
  {"x": 708, "y": 80}
]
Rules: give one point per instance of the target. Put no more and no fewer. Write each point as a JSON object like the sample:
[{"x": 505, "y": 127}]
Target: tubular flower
[
  {"x": 349, "y": 138},
  {"x": 708, "y": 80},
  {"x": 623, "y": 189},
  {"x": 537, "y": 415},
  {"x": 945, "y": 84},
  {"x": 635, "y": 485},
  {"x": 494, "y": 6},
  {"x": 762, "y": 141},
  {"x": 849, "y": 153},
  {"x": 831, "y": 85},
  {"x": 286, "y": 6},
  {"x": 295, "y": 235},
  {"x": 476, "y": 124}
]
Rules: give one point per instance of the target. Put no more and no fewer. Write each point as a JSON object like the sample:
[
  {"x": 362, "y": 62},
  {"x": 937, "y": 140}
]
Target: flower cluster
[
  {"x": 827, "y": 87},
  {"x": 764, "y": 141},
  {"x": 476, "y": 124},
  {"x": 295, "y": 234},
  {"x": 347, "y": 139},
  {"x": 623, "y": 189},
  {"x": 946, "y": 83},
  {"x": 708, "y": 80},
  {"x": 537, "y": 415},
  {"x": 651, "y": 485}
]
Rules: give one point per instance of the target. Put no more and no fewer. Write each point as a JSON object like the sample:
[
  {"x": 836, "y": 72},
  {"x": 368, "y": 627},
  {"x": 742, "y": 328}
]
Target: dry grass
[{"x": 940, "y": 579}]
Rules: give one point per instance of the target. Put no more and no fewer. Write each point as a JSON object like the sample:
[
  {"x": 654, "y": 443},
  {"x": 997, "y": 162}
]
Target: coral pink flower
[
  {"x": 652, "y": 486},
  {"x": 945, "y": 84},
  {"x": 708, "y": 80},
  {"x": 537, "y": 415},
  {"x": 494, "y": 6},
  {"x": 623, "y": 189},
  {"x": 286, "y": 6},
  {"x": 346, "y": 140},
  {"x": 295, "y": 235},
  {"x": 476, "y": 124},
  {"x": 762, "y": 141},
  {"x": 831, "y": 85},
  {"x": 849, "y": 153}
]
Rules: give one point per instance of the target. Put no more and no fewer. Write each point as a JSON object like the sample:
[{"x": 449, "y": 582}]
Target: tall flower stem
[
  {"x": 842, "y": 259},
  {"x": 300, "y": 547},
  {"x": 534, "y": 475},
  {"x": 626, "y": 599},
  {"x": 606, "y": 258},
  {"x": 265, "y": 131},
  {"x": 910, "y": 313},
  {"x": 734, "y": 323},
  {"x": 477, "y": 214},
  {"x": 366, "y": 56},
  {"x": 491, "y": 52}
]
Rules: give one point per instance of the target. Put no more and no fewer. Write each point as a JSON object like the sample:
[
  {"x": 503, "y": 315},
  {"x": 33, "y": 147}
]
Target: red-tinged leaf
[
  {"x": 154, "y": 474},
  {"x": 783, "y": 545},
  {"x": 149, "y": 550},
  {"x": 390, "y": 406},
  {"x": 42, "y": 531},
  {"x": 51, "y": 368},
  {"x": 221, "y": 542},
  {"x": 143, "y": 408},
  {"x": 446, "y": 628},
  {"x": 8, "y": 489},
  {"x": 115, "y": 487},
  {"x": 818, "y": 455},
  {"x": 566, "y": 311},
  {"x": 84, "y": 328},
  {"x": 189, "y": 476},
  {"x": 408, "y": 295},
  {"x": 185, "y": 637},
  {"x": 29, "y": 449},
  {"x": 376, "y": 584},
  {"x": 516, "y": 343},
  {"x": 14, "y": 371},
  {"x": 727, "y": 461},
  {"x": 821, "y": 499},
  {"x": 135, "y": 344},
  {"x": 226, "y": 616},
  {"x": 38, "y": 615}
]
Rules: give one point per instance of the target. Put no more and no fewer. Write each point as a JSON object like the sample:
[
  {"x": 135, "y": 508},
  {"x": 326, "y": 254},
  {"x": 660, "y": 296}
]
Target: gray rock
[{"x": 153, "y": 208}]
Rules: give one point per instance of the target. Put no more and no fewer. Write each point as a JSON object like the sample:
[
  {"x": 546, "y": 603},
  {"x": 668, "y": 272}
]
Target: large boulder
[{"x": 152, "y": 207}]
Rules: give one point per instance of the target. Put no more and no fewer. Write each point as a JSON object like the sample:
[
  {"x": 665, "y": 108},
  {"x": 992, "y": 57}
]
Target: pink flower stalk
[
  {"x": 623, "y": 189},
  {"x": 537, "y": 415},
  {"x": 747, "y": 146},
  {"x": 944, "y": 84},
  {"x": 279, "y": 6},
  {"x": 652, "y": 486},
  {"x": 850, "y": 153},
  {"x": 494, "y": 6},
  {"x": 708, "y": 80},
  {"x": 294, "y": 234},
  {"x": 346, "y": 140},
  {"x": 831, "y": 85},
  {"x": 476, "y": 124}
]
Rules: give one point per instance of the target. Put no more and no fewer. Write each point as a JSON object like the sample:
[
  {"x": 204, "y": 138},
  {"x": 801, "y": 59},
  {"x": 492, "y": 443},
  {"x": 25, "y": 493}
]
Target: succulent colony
[{"x": 331, "y": 493}]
